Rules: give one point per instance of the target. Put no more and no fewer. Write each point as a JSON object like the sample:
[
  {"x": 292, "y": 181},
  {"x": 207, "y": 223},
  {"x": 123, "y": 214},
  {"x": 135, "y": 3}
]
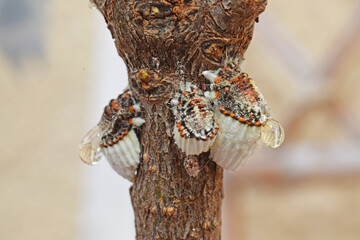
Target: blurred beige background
[{"x": 305, "y": 58}]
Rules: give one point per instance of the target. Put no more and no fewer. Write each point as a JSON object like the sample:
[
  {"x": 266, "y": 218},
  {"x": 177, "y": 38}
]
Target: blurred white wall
[{"x": 105, "y": 205}]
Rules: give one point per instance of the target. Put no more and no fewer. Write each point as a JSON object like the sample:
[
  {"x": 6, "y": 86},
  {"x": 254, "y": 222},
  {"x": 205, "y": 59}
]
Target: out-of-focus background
[{"x": 59, "y": 67}]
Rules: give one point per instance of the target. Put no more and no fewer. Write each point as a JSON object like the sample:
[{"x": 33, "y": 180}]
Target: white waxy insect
[
  {"x": 114, "y": 137},
  {"x": 243, "y": 115},
  {"x": 235, "y": 143},
  {"x": 195, "y": 126},
  {"x": 124, "y": 156}
]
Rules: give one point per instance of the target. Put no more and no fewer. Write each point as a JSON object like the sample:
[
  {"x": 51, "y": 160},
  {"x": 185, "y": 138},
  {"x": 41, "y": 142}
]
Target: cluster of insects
[{"x": 231, "y": 120}]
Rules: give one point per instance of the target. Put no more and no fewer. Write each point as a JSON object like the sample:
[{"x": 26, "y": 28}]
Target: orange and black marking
[
  {"x": 237, "y": 97},
  {"x": 250, "y": 122},
  {"x": 183, "y": 132},
  {"x": 194, "y": 114},
  {"x": 117, "y": 119}
]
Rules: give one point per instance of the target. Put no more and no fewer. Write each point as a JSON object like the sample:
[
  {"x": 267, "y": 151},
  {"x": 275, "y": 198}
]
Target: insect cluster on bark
[
  {"x": 231, "y": 120},
  {"x": 188, "y": 104},
  {"x": 220, "y": 109}
]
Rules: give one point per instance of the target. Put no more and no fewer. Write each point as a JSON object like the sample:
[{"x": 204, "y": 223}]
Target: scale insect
[
  {"x": 114, "y": 137},
  {"x": 195, "y": 126},
  {"x": 244, "y": 118}
]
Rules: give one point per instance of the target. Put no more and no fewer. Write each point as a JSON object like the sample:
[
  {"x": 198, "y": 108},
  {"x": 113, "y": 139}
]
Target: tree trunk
[{"x": 164, "y": 43}]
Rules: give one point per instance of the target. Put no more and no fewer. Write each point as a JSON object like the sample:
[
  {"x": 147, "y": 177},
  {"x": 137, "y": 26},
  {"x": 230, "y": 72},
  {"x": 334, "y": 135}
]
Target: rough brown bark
[{"x": 164, "y": 43}]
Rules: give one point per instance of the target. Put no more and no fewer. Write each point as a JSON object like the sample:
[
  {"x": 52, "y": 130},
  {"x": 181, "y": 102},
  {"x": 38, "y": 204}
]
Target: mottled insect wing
[
  {"x": 114, "y": 137},
  {"x": 120, "y": 143},
  {"x": 195, "y": 126},
  {"x": 241, "y": 111}
]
